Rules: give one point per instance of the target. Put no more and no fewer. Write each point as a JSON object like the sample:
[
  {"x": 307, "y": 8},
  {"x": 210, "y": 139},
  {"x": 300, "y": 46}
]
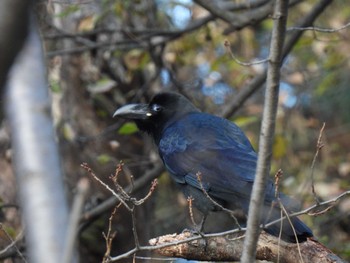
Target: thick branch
[
  {"x": 36, "y": 159},
  {"x": 13, "y": 31},
  {"x": 267, "y": 131},
  {"x": 230, "y": 249}
]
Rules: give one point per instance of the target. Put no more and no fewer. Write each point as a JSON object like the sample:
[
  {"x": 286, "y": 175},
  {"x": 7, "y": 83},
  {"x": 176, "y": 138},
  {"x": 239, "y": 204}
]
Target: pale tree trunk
[{"x": 36, "y": 159}]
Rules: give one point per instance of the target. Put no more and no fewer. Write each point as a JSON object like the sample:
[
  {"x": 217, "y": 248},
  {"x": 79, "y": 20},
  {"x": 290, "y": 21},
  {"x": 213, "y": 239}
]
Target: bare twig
[
  {"x": 190, "y": 210},
  {"x": 123, "y": 197},
  {"x": 227, "y": 16},
  {"x": 118, "y": 170},
  {"x": 145, "y": 42},
  {"x": 278, "y": 177},
  {"x": 319, "y": 146},
  {"x": 285, "y": 212},
  {"x": 82, "y": 190},
  {"x": 134, "y": 229},
  {"x": 112, "y": 201},
  {"x": 319, "y": 29},
  {"x": 13, "y": 243},
  {"x": 239, "y": 6},
  {"x": 119, "y": 197},
  {"x": 148, "y": 195},
  {"x": 114, "y": 177},
  {"x": 317, "y": 213},
  {"x": 110, "y": 235},
  {"x": 227, "y": 45}
]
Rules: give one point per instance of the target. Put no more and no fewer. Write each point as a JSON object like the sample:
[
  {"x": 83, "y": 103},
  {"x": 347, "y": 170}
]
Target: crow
[{"x": 210, "y": 159}]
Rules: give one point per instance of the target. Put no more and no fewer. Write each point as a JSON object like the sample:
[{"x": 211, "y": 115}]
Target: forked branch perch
[{"x": 230, "y": 249}]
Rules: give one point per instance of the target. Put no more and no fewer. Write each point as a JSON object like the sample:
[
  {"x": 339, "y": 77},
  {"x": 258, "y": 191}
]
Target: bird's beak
[{"x": 133, "y": 111}]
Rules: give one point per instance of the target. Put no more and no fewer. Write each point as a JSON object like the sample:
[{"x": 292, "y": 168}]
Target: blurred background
[{"x": 104, "y": 54}]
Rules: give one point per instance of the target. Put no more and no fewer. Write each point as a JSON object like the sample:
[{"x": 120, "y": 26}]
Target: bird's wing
[{"x": 215, "y": 148}]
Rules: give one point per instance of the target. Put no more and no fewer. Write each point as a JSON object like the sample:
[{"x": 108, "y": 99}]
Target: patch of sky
[
  {"x": 213, "y": 85},
  {"x": 220, "y": 50},
  {"x": 287, "y": 95},
  {"x": 181, "y": 260},
  {"x": 179, "y": 11},
  {"x": 165, "y": 77},
  {"x": 203, "y": 70}
]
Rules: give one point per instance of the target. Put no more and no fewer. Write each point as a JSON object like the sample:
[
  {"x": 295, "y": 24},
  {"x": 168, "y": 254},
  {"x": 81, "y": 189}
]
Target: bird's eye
[{"x": 156, "y": 108}]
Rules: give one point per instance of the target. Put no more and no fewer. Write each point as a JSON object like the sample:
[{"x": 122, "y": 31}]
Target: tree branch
[
  {"x": 267, "y": 131},
  {"x": 259, "y": 80},
  {"x": 230, "y": 248},
  {"x": 178, "y": 239},
  {"x": 112, "y": 201},
  {"x": 36, "y": 159},
  {"x": 14, "y": 32}
]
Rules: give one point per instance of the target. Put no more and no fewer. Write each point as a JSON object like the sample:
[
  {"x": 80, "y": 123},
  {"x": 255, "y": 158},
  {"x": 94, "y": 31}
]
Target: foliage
[{"x": 103, "y": 54}]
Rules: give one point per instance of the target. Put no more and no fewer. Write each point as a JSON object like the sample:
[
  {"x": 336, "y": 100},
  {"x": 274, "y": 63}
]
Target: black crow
[{"x": 191, "y": 142}]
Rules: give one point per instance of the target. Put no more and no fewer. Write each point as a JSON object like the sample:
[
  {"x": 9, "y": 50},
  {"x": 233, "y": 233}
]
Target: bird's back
[{"x": 226, "y": 161}]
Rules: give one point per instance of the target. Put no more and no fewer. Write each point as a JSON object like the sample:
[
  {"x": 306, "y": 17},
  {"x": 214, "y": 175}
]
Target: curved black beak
[{"x": 133, "y": 111}]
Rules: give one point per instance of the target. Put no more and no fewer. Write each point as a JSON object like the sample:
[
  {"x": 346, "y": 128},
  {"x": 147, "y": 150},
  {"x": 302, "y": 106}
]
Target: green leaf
[
  {"x": 103, "y": 158},
  {"x": 279, "y": 147},
  {"x": 245, "y": 120},
  {"x": 128, "y": 128},
  {"x": 55, "y": 87}
]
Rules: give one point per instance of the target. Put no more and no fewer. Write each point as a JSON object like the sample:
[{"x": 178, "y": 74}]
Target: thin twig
[
  {"x": 123, "y": 196},
  {"x": 227, "y": 45},
  {"x": 13, "y": 243},
  {"x": 148, "y": 195},
  {"x": 111, "y": 202},
  {"x": 317, "y": 213},
  {"x": 278, "y": 177},
  {"x": 110, "y": 235},
  {"x": 292, "y": 226},
  {"x": 279, "y": 239},
  {"x": 319, "y": 146},
  {"x": 71, "y": 235},
  {"x": 190, "y": 209},
  {"x": 114, "y": 179},
  {"x": 134, "y": 229},
  {"x": 90, "y": 171},
  {"x": 319, "y": 29}
]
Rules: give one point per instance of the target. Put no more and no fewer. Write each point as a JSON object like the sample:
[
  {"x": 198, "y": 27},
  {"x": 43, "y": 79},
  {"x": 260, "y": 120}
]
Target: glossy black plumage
[{"x": 190, "y": 141}]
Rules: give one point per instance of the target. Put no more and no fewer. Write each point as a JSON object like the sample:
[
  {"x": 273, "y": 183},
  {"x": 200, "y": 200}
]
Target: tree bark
[
  {"x": 230, "y": 249},
  {"x": 36, "y": 159},
  {"x": 14, "y": 32},
  {"x": 267, "y": 130}
]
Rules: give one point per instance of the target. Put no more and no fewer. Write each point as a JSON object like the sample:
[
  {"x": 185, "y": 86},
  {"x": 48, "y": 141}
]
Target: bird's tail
[{"x": 293, "y": 228}]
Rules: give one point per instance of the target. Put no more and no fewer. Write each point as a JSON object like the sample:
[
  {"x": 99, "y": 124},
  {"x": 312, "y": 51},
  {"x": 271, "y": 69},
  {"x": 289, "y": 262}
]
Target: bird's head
[{"x": 164, "y": 109}]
